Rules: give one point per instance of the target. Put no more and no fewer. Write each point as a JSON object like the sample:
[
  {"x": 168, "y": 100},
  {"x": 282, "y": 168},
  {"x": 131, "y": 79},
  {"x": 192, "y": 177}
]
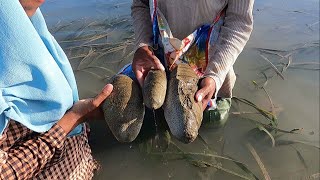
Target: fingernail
[
  {"x": 200, "y": 97},
  {"x": 106, "y": 86}
]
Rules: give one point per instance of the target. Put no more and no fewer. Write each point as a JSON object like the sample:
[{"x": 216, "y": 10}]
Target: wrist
[{"x": 69, "y": 121}]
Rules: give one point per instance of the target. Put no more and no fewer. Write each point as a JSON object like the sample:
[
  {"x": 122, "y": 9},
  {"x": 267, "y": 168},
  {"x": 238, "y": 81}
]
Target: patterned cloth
[
  {"x": 25, "y": 154},
  {"x": 193, "y": 49}
]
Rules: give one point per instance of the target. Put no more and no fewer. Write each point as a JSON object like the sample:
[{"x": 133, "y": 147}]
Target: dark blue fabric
[{"x": 202, "y": 36}]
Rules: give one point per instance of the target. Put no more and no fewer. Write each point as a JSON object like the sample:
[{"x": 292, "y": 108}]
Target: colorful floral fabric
[{"x": 193, "y": 49}]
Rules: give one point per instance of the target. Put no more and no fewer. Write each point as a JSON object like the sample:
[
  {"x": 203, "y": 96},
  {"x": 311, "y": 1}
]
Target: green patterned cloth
[{"x": 218, "y": 117}]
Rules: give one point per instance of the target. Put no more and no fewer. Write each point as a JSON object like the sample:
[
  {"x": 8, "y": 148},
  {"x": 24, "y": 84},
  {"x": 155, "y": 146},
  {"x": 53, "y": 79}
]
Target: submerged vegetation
[{"x": 98, "y": 48}]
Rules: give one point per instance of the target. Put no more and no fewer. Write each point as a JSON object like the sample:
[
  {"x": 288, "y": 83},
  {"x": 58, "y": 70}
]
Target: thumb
[
  {"x": 201, "y": 94},
  {"x": 106, "y": 91}
]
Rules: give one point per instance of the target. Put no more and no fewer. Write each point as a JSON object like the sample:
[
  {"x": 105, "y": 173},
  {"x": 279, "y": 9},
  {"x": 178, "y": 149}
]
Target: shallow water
[{"x": 288, "y": 25}]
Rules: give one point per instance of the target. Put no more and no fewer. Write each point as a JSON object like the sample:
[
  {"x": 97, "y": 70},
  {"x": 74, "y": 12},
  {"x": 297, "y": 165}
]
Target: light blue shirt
[{"x": 37, "y": 84}]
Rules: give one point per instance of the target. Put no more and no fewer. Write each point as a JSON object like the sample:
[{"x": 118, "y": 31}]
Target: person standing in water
[
  {"x": 42, "y": 129},
  {"x": 181, "y": 44},
  {"x": 212, "y": 32}
]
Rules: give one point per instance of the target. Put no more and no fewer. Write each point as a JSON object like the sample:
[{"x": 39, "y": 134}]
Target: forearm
[
  {"x": 233, "y": 36},
  {"x": 26, "y": 159},
  {"x": 142, "y": 22},
  {"x": 70, "y": 121}
]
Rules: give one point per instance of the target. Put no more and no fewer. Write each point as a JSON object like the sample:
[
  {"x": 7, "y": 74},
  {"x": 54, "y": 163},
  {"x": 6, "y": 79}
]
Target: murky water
[{"x": 97, "y": 37}]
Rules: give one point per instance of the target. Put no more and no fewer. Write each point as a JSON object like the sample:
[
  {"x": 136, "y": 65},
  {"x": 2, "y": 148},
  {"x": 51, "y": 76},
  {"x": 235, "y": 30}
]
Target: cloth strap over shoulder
[
  {"x": 193, "y": 49},
  {"x": 37, "y": 84}
]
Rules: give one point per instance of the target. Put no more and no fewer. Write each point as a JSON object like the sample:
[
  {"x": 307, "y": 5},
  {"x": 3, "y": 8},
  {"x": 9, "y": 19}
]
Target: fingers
[
  {"x": 157, "y": 63},
  {"x": 202, "y": 93},
  {"x": 140, "y": 77},
  {"x": 143, "y": 61},
  {"x": 208, "y": 86},
  {"x": 205, "y": 102},
  {"x": 206, "y": 92},
  {"x": 102, "y": 96}
]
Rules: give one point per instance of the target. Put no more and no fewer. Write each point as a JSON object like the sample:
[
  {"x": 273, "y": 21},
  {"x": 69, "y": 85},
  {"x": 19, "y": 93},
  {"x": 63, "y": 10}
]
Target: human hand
[
  {"x": 208, "y": 88},
  {"x": 143, "y": 61},
  {"x": 84, "y": 109},
  {"x": 30, "y": 6}
]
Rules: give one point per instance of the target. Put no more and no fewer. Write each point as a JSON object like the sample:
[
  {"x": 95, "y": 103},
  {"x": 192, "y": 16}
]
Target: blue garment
[{"x": 37, "y": 84}]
